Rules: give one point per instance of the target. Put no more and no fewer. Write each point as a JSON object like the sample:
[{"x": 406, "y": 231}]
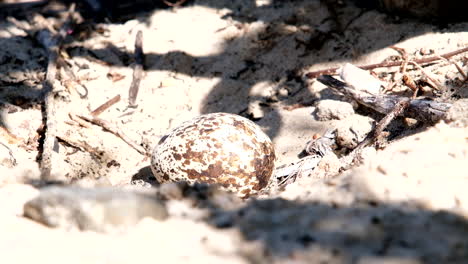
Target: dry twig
[
  {"x": 114, "y": 130},
  {"x": 52, "y": 44},
  {"x": 406, "y": 78},
  {"x": 176, "y": 4},
  {"x": 437, "y": 84},
  {"x": 408, "y": 81},
  {"x": 137, "y": 71},
  {"x": 460, "y": 70},
  {"x": 333, "y": 71},
  {"x": 105, "y": 105},
  {"x": 82, "y": 145},
  {"x": 404, "y": 56},
  {"x": 398, "y": 110},
  {"x": 78, "y": 120}
]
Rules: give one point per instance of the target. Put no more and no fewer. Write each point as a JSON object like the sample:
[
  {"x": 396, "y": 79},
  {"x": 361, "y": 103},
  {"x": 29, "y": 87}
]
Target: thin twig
[
  {"x": 82, "y": 145},
  {"x": 437, "y": 84},
  {"x": 176, "y": 4},
  {"x": 78, "y": 120},
  {"x": 12, "y": 160},
  {"x": 137, "y": 71},
  {"x": 353, "y": 157},
  {"x": 408, "y": 81},
  {"x": 114, "y": 130},
  {"x": 333, "y": 71},
  {"x": 105, "y": 105},
  {"x": 404, "y": 56},
  {"x": 460, "y": 70},
  {"x": 52, "y": 44},
  {"x": 406, "y": 78}
]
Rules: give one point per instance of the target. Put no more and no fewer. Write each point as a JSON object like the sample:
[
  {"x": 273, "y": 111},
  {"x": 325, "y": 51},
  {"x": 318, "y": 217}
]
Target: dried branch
[
  {"x": 52, "y": 44},
  {"x": 137, "y": 71},
  {"x": 333, "y": 71},
  {"x": 424, "y": 110}
]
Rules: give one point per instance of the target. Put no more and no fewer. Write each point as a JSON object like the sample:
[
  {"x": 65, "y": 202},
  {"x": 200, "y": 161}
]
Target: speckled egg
[{"x": 219, "y": 148}]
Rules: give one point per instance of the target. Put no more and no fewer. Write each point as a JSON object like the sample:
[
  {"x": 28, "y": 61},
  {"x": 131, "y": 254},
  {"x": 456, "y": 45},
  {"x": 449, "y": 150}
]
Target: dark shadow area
[
  {"x": 314, "y": 232},
  {"x": 145, "y": 175},
  {"x": 366, "y": 231}
]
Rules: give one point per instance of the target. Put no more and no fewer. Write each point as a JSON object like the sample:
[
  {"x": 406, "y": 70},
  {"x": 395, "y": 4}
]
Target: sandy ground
[{"x": 406, "y": 204}]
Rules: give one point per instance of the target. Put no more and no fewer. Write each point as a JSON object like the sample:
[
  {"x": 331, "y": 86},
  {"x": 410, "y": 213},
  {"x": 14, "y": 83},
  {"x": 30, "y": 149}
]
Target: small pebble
[{"x": 333, "y": 110}]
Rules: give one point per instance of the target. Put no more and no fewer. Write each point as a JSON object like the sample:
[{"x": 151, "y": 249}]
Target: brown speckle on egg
[{"x": 219, "y": 148}]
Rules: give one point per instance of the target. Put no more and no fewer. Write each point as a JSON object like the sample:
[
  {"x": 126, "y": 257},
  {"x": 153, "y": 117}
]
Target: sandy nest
[{"x": 406, "y": 203}]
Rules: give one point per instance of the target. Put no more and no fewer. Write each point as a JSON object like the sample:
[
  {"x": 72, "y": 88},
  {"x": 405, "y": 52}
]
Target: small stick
[
  {"x": 176, "y": 4},
  {"x": 114, "y": 130},
  {"x": 352, "y": 157},
  {"x": 105, "y": 105},
  {"x": 12, "y": 158},
  {"x": 78, "y": 120},
  {"x": 83, "y": 146},
  {"x": 408, "y": 81},
  {"x": 332, "y": 71},
  {"x": 460, "y": 70},
  {"x": 137, "y": 71},
  {"x": 405, "y": 57},
  {"x": 437, "y": 84}
]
